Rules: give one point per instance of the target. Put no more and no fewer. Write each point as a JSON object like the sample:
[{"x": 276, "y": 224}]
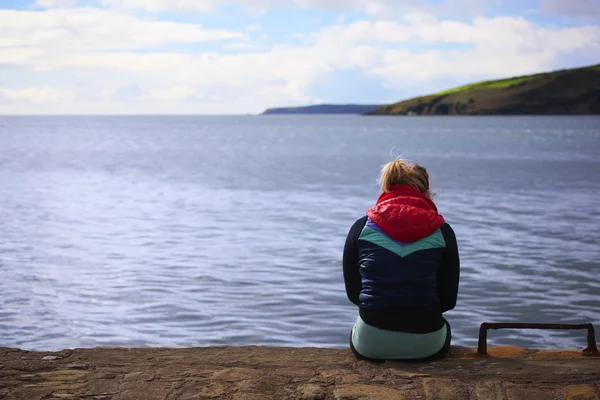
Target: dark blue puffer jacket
[{"x": 404, "y": 277}]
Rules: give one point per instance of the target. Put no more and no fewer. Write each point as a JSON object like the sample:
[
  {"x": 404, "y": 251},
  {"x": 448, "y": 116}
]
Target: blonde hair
[{"x": 399, "y": 172}]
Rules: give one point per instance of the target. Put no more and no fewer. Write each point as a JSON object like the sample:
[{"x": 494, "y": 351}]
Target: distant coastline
[
  {"x": 565, "y": 92},
  {"x": 357, "y": 109}
]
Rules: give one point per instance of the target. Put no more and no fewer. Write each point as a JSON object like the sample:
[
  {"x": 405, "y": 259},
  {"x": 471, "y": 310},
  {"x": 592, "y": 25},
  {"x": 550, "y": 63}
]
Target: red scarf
[{"x": 405, "y": 214}]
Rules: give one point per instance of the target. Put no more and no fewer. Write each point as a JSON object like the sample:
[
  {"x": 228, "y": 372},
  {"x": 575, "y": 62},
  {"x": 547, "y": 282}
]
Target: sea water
[{"x": 196, "y": 231}]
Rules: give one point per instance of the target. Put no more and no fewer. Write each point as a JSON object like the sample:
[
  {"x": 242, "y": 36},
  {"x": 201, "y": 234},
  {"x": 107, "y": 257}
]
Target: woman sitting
[{"x": 401, "y": 268}]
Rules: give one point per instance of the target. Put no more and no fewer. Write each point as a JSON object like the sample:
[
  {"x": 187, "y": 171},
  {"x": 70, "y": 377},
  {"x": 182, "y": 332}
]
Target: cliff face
[{"x": 574, "y": 91}]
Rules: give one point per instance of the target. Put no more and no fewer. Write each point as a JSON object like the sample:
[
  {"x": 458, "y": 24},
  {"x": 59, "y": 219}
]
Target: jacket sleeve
[
  {"x": 352, "y": 278},
  {"x": 449, "y": 274}
]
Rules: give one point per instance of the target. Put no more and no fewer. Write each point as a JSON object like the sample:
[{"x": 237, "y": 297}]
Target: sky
[{"x": 243, "y": 56}]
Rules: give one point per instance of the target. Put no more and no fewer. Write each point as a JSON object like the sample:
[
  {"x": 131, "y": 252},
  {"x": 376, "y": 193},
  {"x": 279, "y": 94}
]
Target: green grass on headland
[
  {"x": 571, "y": 91},
  {"x": 502, "y": 83}
]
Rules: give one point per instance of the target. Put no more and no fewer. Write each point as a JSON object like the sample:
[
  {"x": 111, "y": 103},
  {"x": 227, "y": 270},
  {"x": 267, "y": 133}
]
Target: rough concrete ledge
[{"x": 262, "y": 373}]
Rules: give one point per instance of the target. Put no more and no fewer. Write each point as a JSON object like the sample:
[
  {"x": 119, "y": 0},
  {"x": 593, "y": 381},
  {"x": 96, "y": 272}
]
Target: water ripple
[{"x": 207, "y": 231}]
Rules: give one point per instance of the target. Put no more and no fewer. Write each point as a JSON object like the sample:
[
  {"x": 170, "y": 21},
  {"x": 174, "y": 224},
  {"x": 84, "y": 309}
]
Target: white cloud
[
  {"x": 245, "y": 46},
  {"x": 377, "y": 8},
  {"x": 386, "y": 9},
  {"x": 495, "y": 47},
  {"x": 162, "y": 5},
  {"x": 185, "y": 5},
  {"x": 83, "y": 30},
  {"x": 419, "y": 28},
  {"x": 56, "y": 3},
  {"x": 506, "y": 33},
  {"x": 36, "y": 94}
]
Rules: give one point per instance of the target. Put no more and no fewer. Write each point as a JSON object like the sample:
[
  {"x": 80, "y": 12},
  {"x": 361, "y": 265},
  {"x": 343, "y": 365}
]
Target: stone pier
[{"x": 263, "y": 373}]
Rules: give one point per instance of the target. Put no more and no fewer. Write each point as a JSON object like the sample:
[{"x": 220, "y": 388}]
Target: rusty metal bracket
[{"x": 591, "y": 349}]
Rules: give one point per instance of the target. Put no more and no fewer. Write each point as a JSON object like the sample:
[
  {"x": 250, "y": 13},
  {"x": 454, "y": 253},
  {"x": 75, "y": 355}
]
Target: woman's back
[{"x": 401, "y": 262}]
